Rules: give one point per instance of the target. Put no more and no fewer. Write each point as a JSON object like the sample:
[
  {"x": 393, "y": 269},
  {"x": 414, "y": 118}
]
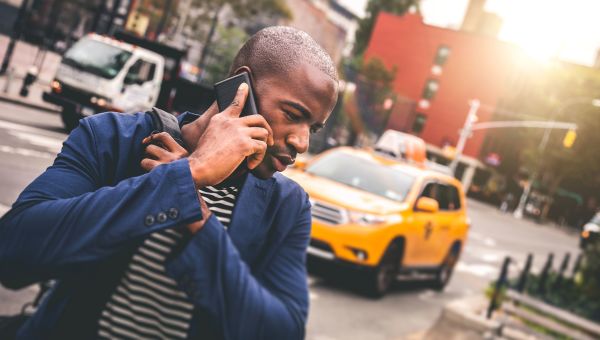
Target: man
[{"x": 186, "y": 249}]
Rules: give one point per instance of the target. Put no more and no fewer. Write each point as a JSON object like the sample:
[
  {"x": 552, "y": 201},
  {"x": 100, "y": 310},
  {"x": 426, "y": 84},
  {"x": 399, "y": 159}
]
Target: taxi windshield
[{"x": 364, "y": 174}]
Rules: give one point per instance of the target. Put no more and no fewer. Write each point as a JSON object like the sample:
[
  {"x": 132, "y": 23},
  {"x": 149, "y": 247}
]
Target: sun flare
[{"x": 540, "y": 27}]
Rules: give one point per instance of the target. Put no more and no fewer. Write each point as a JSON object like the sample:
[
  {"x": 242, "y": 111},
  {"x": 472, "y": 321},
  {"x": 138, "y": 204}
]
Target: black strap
[{"x": 164, "y": 121}]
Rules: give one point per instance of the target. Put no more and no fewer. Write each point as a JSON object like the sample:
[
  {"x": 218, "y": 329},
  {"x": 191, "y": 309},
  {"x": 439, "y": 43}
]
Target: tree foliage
[
  {"x": 562, "y": 92},
  {"x": 223, "y": 52},
  {"x": 365, "y": 26},
  {"x": 374, "y": 85},
  {"x": 244, "y": 10}
]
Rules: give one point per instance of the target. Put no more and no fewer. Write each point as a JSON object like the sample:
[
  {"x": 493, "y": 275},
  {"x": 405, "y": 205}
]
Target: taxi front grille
[{"x": 327, "y": 213}]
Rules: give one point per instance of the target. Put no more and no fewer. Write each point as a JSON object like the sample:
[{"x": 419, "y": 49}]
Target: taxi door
[
  {"x": 423, "y": 250},
  {"x": 447, "y": 218},
  {"x": 452, "y": 218}
]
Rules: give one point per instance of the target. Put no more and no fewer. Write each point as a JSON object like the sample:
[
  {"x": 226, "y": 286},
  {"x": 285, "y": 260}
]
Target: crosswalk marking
[
  {"x": 50, "y": 141},
  {"x": 25, "y": 128},
  {"x": 26, "y": 152}
]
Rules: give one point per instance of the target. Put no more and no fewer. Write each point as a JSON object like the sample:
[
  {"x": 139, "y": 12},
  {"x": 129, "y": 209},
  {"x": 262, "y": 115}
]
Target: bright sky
[{"x": 569, "y": 29}]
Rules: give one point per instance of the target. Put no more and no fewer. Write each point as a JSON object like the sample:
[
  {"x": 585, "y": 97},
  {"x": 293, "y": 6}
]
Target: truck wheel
[
  {"x": 70, "y": 119},
  {"x": 444, "y": 273},
  {"x": 379, "y": 279}
]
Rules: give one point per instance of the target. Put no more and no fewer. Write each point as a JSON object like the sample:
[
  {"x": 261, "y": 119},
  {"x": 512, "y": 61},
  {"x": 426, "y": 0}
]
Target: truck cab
[{"x": 99, "y": 74}]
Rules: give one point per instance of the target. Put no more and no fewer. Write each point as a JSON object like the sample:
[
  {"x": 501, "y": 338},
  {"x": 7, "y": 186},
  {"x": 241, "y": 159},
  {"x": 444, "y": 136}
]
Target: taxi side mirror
[{"x": 427, "y": 204}]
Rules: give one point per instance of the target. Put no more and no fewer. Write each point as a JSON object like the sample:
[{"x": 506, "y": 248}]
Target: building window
[
  {"x": 442, "y": 55},
  {"x": 431, "y": 88},
  {"x": 419, "y": 123}
]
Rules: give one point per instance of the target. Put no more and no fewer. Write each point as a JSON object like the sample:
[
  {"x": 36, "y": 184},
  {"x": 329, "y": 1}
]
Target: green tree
[
  {"x": 246, "y": 10},
  {"x": 223, "y": 52},
  {"x": 374, "y": 86},
  {"x": 562, "y": 92},
  {"x": 365, "y": 26}
]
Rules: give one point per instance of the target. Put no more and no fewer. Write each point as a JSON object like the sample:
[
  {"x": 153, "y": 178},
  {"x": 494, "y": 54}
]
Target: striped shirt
[{"x": 147, "y": 303}]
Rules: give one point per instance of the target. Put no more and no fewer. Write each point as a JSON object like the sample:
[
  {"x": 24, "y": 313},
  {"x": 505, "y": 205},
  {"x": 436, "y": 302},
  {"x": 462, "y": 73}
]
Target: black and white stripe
[{"x": 147, "y": 303}]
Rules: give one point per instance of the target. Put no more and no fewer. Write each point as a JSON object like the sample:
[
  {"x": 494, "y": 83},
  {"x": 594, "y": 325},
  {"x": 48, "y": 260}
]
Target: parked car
[
  {"x": 383, "y": 216},
  {"x": 590, "y": 232}
]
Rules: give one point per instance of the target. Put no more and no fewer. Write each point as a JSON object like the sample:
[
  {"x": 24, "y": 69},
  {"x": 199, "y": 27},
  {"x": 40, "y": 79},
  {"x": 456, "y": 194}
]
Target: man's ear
[{"x": 246, "y": 69}]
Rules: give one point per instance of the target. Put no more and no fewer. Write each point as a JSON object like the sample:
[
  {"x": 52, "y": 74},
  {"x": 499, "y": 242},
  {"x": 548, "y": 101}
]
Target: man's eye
[
  {"x": 291, "y": 116},
  {"x": 314, "y": 129}
]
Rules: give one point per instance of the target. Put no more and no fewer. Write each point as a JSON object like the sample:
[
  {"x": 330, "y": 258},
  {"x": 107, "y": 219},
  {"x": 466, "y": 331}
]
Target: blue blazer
[{"x": 80, "y": 221}]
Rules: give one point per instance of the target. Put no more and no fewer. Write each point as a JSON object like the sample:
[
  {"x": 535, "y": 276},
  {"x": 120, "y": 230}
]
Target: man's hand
[
  {"x": 161, "y": 148},
  {"x": 227, "y": 141}
]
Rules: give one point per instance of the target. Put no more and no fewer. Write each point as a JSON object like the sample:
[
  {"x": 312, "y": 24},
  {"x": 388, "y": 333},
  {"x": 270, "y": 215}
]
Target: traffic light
[{"x": 569, "y": 138}]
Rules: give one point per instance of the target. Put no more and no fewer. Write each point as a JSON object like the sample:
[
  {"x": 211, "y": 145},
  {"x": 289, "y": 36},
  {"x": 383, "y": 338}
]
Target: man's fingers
[
  {"x": 259, "y": 121},
  {"x": 236, "y": 106},
  {"x": 166, "y": 140},
  {"x": 258, "y": 133},
  {"x": 149, "y": 164},
  {"x": 259, "y": 150},
  {"x": 157, "y": 152},
  {"x": 212, "y": 110}
]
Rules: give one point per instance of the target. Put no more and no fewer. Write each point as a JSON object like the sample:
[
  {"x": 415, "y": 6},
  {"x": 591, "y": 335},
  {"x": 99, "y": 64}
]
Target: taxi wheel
[
  {"x": 444, "y": 273},
  {"x": 380, "y": 279}
]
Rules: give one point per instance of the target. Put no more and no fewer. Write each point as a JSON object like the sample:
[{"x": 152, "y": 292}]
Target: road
[{"x": 29, "y": 139}]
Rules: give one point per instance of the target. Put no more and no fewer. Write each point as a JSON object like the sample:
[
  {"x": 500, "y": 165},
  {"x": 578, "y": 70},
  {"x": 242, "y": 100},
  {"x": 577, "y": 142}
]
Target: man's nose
[{"x": 299, "y": 140}]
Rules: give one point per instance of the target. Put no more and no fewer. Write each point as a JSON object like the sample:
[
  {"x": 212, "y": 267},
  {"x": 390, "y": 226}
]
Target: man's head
[{"x": 295, "y": 84}]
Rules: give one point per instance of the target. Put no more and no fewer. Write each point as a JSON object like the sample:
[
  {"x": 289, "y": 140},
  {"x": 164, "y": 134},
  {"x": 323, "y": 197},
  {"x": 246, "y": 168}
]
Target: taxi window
[
  {"x": 445, "y": 194},
  {"x": 448, "y": 197}
]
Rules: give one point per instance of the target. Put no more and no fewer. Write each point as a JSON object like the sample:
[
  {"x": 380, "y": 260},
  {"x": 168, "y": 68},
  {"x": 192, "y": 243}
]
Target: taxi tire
[
  {"x": 379, "y": 279},
  {"x": 444, "y": 273}
]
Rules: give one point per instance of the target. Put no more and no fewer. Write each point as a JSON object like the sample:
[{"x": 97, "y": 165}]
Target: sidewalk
[{"x": 22, "y": 59}]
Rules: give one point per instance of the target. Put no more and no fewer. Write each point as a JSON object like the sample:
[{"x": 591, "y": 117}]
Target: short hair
[{"x": 281, "y": 48}]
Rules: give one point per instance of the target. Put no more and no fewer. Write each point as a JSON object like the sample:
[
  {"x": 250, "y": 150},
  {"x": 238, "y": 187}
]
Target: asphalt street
[{"x": 30, "y": 139}]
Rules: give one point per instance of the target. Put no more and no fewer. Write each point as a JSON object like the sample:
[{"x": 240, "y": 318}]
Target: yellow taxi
[{"x": 383, "y": 215}]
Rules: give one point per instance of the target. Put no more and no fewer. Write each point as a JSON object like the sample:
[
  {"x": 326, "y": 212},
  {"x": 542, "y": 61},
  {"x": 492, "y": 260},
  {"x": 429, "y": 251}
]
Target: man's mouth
[{"x": 281, "y": 162}]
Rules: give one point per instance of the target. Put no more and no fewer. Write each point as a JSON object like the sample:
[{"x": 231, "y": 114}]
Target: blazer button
[
  {"x": 161, "y": 217},
  {"x": 149, "y": 220},
  {"x": 173, "y": 213}
]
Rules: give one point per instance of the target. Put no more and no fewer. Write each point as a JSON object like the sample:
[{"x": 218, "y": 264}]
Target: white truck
[{"x": 99, "y": 74}]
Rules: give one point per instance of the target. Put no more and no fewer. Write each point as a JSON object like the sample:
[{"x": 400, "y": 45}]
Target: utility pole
[
  {"x": 465, "y": 133},
  {"x": 16, "y": 33}
]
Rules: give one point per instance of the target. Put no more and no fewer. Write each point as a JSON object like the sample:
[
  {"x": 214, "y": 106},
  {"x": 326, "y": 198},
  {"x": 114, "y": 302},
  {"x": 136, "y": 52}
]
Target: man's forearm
[{"x": 51, "y": 234}]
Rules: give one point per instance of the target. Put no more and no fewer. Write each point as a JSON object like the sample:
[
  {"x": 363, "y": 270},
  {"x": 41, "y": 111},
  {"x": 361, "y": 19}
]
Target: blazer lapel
[{"x": 248, "y": 229}]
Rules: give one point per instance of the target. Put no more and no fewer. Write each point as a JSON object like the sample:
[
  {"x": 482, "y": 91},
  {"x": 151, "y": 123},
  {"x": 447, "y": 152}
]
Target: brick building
[{"x": 440, "y": 70}]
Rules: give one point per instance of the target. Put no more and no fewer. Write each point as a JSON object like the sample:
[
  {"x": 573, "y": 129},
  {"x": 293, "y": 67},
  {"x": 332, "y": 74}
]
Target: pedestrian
[{"x": 147, "y": 239}]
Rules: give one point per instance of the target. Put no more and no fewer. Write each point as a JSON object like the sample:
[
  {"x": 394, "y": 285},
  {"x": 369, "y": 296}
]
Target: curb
[
  {"x": 464, "y": 319},
  {"x": 22, "y": 102}
]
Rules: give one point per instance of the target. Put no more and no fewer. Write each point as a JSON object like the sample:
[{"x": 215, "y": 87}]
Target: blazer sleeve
[
  {"x": 270, "y": 305},
  {"x": 68, "y": 217}
]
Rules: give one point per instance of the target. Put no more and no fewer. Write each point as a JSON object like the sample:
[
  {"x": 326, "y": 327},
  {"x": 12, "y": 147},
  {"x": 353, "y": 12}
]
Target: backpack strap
[{"x": 164, "y": 121}]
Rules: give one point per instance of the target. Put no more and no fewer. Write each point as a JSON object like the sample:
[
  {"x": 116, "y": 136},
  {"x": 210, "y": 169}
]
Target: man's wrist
[
  {"x": 198, "y": 170},
  {"x": 198, "y": 225}
]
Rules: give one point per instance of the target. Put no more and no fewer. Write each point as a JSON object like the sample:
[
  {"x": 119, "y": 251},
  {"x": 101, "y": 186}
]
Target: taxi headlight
[{"x": 365, "y": 218}]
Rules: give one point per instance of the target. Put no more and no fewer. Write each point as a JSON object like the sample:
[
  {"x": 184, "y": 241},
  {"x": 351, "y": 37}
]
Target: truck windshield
[
  {"x": 96, "y": 57},
  {"x": 364, "y": 174}
]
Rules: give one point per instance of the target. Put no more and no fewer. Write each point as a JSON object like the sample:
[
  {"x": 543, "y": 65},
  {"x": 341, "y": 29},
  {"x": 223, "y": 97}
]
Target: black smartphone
[{"x": 226, "y": 90}]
